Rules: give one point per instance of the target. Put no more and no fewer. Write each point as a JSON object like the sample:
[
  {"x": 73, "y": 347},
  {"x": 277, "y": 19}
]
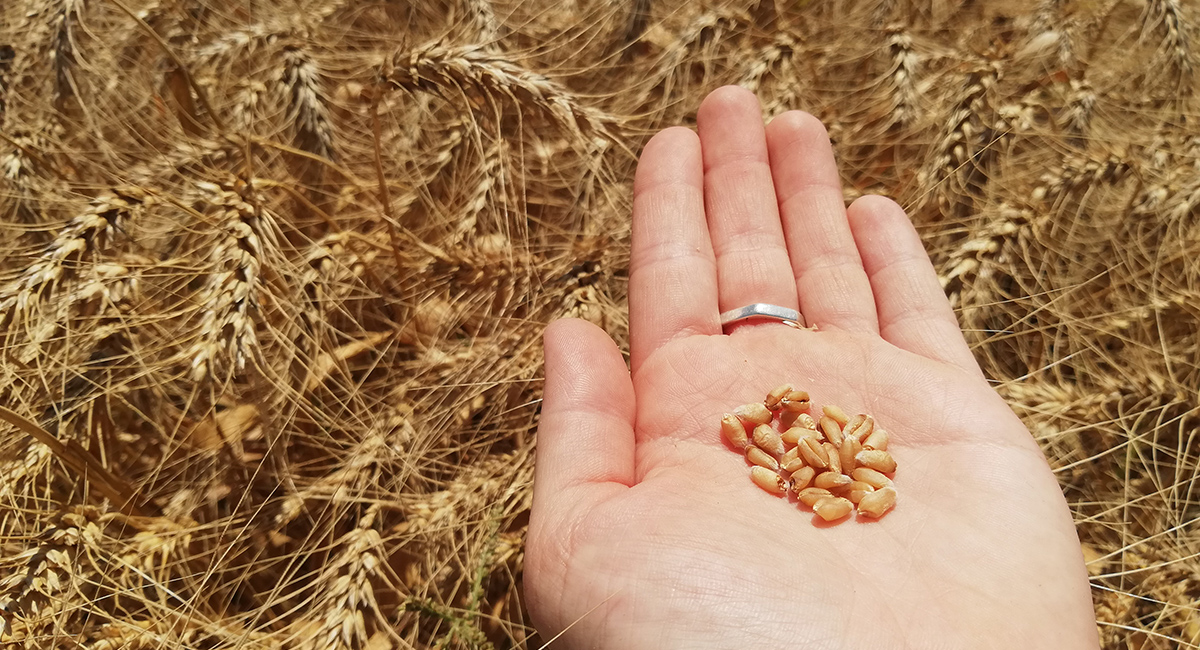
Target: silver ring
[{"x": 763, "y": 310}]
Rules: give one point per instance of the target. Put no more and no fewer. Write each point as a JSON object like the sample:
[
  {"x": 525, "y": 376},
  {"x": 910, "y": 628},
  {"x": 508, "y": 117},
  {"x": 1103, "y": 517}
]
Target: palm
[{"x": 664, "y": 542}]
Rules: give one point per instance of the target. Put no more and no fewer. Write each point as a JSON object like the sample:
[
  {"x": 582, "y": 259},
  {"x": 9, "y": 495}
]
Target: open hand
[{"x": 646, "y": 532}]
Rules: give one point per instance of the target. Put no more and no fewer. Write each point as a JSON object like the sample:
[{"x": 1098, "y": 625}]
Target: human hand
[{"x": 646, "y": 531}]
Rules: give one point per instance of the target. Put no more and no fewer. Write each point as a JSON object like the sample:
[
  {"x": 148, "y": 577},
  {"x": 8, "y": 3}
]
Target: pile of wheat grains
[
  {"x": 273, "y": 279},
  {"x": 831, "y": 465}
]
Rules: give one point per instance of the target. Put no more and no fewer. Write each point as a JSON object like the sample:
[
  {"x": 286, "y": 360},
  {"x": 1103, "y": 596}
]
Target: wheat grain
[
  {"x": 856, "y": 490},
  {"x": 776, "y": 395},
  {"x": 836, "y": 414},
  {"x": 793, "y": 435},
  {"x": 835, "y": 458},
  {"x": 813, "y": 453},
  {"x": 878, "y": 460},
  {"x": 768, "y": 480},
  {"x": 756, "y": 456},
  {"x": 795, "y": 401},
  {"x": 734, "y": 431},
  {"x": 878, "y": 439},
  {"x": 875, "y": 504},
  {"x": 810, "y": 496},
  {"x": 765, "y": 438},
  {"x": 832, "y": 480},
  {"x": 755, "y": 413},
  {"x": 846, "y": 453},
  {"x": 859, "y": 427},
  {"x": 872, "y": 477},
  {"x": 832, "y": 508},
  {"x": 792, "y": 465},
  {"x": 801, "y": 479}
]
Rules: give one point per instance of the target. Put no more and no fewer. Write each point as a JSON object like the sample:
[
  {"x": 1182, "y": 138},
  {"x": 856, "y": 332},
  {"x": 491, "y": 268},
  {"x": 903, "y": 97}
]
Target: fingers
[
  {"x": 913, "y": 311},
  {"x": 672, "y": 272},
  {"x": 585, "y": 445},
  {"x": 743, "y": 216},
  {"x": 832, "y": 286}
]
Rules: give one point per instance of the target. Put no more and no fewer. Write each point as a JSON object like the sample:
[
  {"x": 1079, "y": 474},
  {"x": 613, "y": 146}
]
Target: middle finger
[{"x": 739, "y": 200}]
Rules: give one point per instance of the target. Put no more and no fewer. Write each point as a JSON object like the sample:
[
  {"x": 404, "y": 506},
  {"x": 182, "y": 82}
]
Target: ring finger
[{"x": 739, "y": 201}]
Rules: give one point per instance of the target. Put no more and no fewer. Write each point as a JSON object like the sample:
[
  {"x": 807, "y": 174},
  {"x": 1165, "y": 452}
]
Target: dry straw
[{"x": 282, "y": 275}]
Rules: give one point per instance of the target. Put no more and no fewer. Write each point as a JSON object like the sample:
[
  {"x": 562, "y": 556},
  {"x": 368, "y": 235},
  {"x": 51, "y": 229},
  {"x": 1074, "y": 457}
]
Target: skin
[{"x": 646, "y": 531}]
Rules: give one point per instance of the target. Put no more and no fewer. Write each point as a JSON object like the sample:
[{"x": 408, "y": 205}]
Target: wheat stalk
[
  {"x": 44, "y": 577},
  {"x": 963, "y": 147},
  {"x": 474, "y": 70},
  {"x": 345, "y": 595},
  {"x": 1165, "y": 17},
  {"x": 1081, "y": 104},
  {"x": 230, "y": 298},
  {"x": 901, "y": 77},
  {"x": 63, "y": 53},
  {"x": 7, "y": 53},
  {"x": 1078, "y": 173},
  {"x": 482, "y": 16},
  {"x": 86, "y": 234},
  {"x": 306, "y": 103}
]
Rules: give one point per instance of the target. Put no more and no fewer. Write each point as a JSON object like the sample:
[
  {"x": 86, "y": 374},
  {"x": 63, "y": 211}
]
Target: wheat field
[{"x": 273, "y": 278}]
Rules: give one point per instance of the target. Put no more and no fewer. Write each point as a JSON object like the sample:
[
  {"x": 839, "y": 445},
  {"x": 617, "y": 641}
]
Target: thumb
[
  {"x": 585, "y": 437},
  {"x": 585, "y": 456}
]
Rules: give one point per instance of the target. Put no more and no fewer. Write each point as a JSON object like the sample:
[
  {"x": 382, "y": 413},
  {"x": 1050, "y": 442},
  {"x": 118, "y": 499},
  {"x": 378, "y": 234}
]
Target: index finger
[{"x": 672, "y": 270}]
